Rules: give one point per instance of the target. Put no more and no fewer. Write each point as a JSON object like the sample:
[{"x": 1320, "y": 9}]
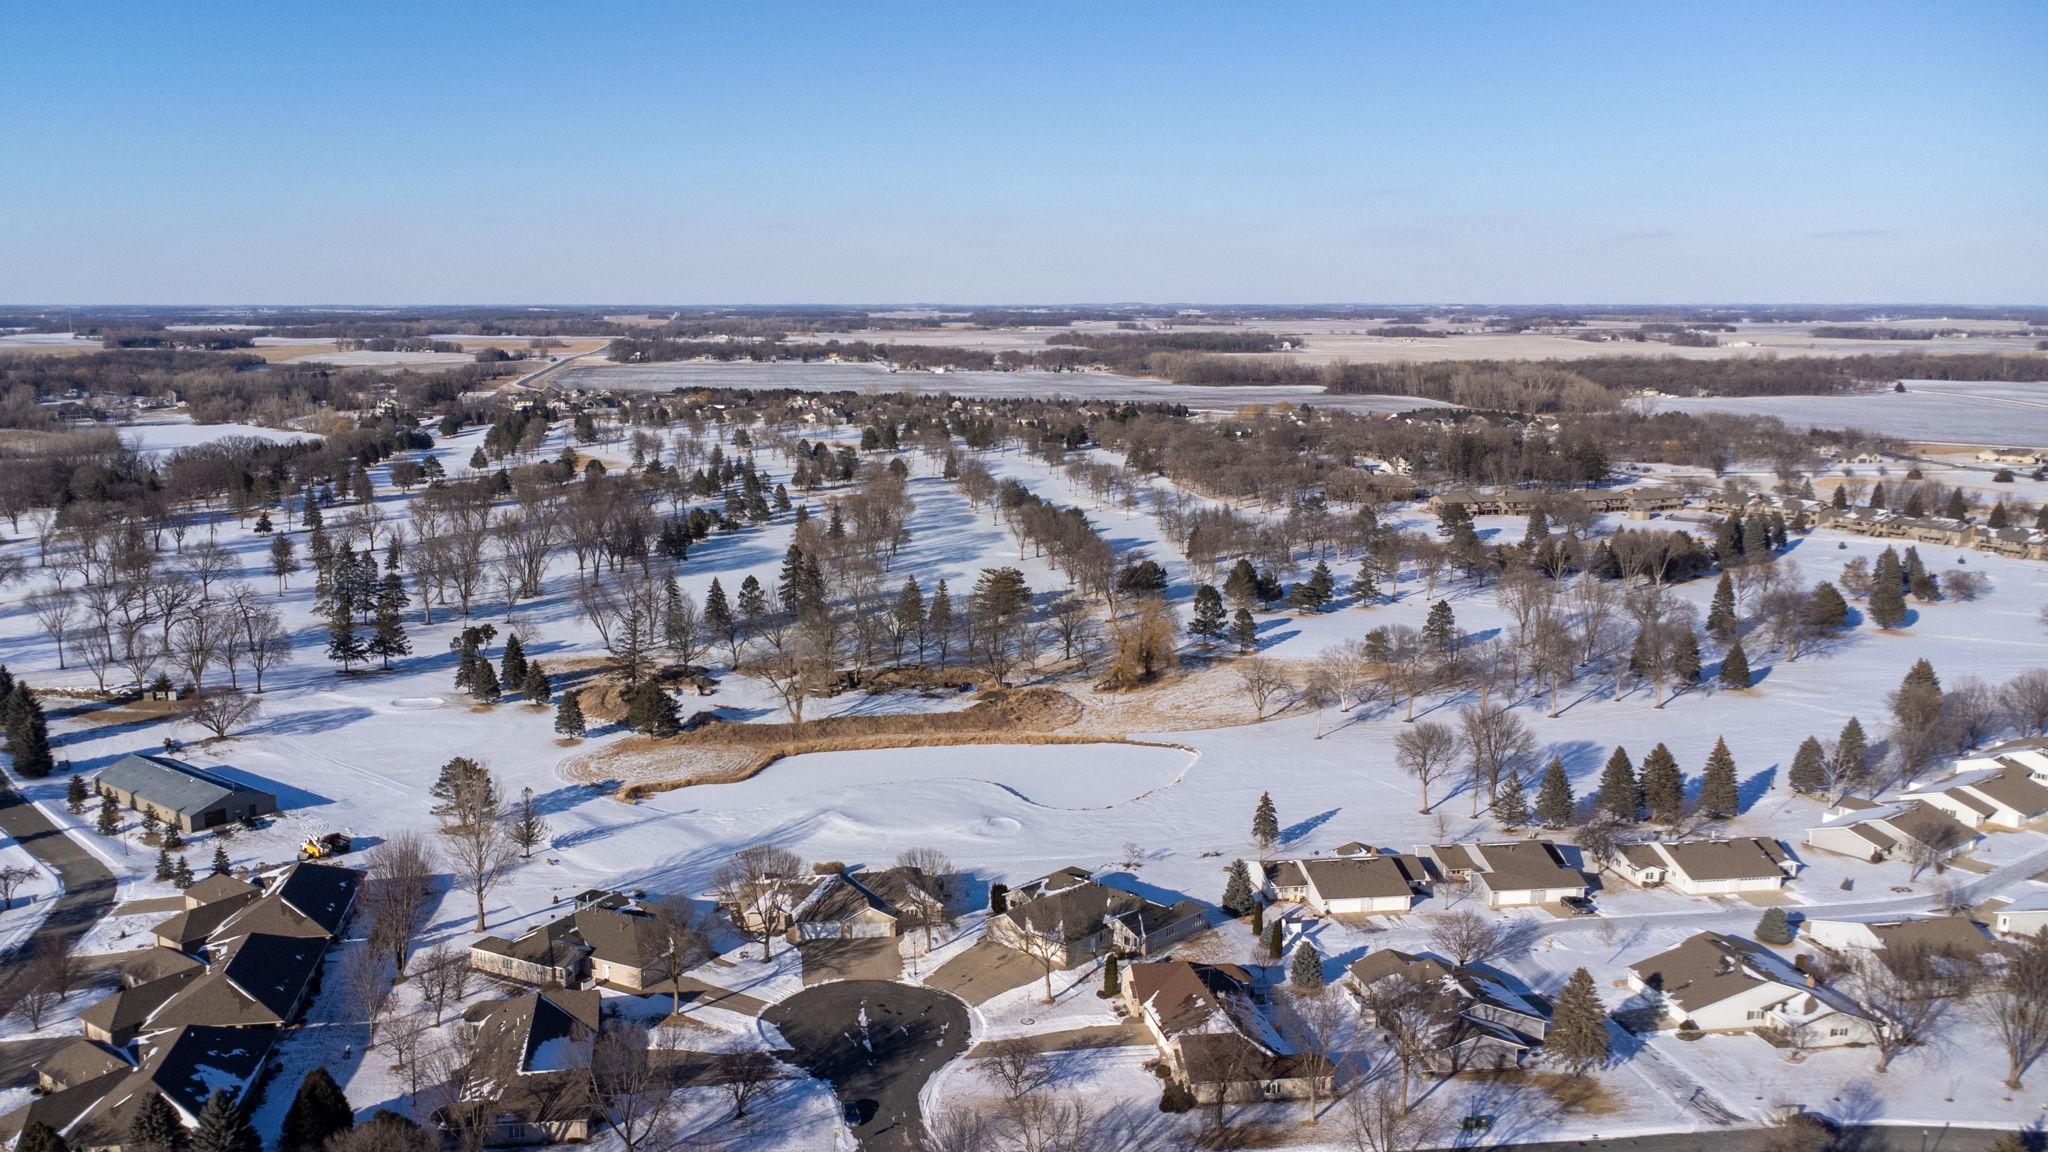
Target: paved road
[
  {"x": 88, "y": 888},
  {"x": 876, "y": 1043},
  {"x": 1886, "y": 1138}
]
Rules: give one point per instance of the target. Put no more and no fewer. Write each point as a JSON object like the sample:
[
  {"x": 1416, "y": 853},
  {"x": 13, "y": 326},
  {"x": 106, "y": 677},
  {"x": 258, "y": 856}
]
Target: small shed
[{"x": 192, "y": 799}]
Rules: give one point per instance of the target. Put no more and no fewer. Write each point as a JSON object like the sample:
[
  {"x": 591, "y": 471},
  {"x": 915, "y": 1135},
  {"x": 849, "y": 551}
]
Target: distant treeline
[
  {"x": 1878, "y": 332},
  {"x": 1407, "y": 330}
]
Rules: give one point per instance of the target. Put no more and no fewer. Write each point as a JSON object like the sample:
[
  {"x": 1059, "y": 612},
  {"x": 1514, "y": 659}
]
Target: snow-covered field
[
  {"x": 368, "y": 359},
  {"x": 358, "y": 753},
  {"x": 1940, "y": 411},
  {"x": 157, "y": 437}
]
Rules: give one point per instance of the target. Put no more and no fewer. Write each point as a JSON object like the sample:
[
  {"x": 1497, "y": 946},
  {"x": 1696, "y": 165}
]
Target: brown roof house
[
  {"x": 1509, "y": 873},
  {"x": 1487, "y": 1024},
  {"x": 850, "y": 904},
  {"x": 530, "y": 1080},
  {"x": 606, "y": 940},
  {"x": 1068, "y": 918},
  {"x": 1213, "y": 1038},
  {"x": 1708, "y": 867},
  {"x": 1357, "y": 885},
  {"x": 1918, "y": 833},
  {"x": 1998, "y": 792},
  {"x": 1719, "y": 983}
]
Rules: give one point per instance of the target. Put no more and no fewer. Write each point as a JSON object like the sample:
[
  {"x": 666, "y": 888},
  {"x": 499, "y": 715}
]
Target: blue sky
[{"x": 768, "y": 153}]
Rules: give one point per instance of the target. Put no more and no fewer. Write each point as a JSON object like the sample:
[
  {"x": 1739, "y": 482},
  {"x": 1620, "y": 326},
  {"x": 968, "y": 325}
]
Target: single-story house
[
  {"x": 2023, "y": 915},
  {"x": 1212, "y": 1036},
  {"x": 1708, "y": 867},
  {"x": 1916, "y": 832},
  {"x": 1348, "y": 885},
  {"x": 184, "y": 1065},
  {"x": 310, "y": 899},
  {"x": 1719, "y": 983},
  {"x": 852, "y": 905},
  {"x": 1487, "y": 1024},
  {"x": 1944, "y": 953},
  {"x": 1069, "y": 918},
  {"x": 1992, "y": 792},
  {"x": 192, "y": 799},
  {"x": 529, "y": 1083},
  {"x": 120, "y": 1018},
  {"x": 1509, "y": 873},
  {"x": 606, "y": 940},
  {"x": 259, "y": 979}
]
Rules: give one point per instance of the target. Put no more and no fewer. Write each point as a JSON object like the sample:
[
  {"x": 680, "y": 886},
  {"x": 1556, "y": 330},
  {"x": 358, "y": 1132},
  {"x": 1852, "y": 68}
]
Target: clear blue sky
[{"x": 768, "y": 153}]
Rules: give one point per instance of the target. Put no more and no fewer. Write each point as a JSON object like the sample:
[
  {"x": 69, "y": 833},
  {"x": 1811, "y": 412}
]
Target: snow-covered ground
[
  {"x": 357, "y": 753},
  {"x": 1942, "y": 411}
]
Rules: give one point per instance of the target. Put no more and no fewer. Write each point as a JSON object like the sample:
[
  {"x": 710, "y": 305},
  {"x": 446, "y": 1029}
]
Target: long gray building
[{"x": 191, "y": 798}]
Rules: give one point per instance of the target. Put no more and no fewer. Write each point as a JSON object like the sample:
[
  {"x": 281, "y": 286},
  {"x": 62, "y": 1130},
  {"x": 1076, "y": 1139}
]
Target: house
[
  {"x": 183, "y": 1065},
  {"x": 1069, "y": 918},
  {"x": 1212, "y": 1036},
  {"x": 529, "y": 1083},
  {"x": 2000, "y": 792},
  {"x": 191, "y": 799},
  {"x": 1919, "y": 833},
  {"x": 310, "y": 900},
  {"x": 1510, "y": 873},
  {"x": 77, "y": 1063},
  {"x": 1718, "y": 983},
  {"x": 1930, "y": 948},
  {"x": 606, "y": 940},
  {"x": 853, "y": 905},
  {"x": 1351, "y": 885},
  {"x": 2023, "y": 915},
  {"x": 1708, "y": 867},
  {"x": 120, "y": 1018},
  {"x": 1488, "y": 1024}
]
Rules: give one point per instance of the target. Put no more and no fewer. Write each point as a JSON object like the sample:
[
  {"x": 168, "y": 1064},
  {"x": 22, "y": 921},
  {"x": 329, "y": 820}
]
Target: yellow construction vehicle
[{"x": 321, "y": 847}]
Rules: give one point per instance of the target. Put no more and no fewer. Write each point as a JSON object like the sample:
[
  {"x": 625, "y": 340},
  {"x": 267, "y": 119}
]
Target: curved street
[
  {"x": 87, "y": 888},
  {"x": 876, "y": 1042}
]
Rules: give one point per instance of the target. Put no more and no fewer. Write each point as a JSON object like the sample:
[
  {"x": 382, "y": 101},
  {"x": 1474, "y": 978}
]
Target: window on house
[{"x": 1755, "y": 1015}]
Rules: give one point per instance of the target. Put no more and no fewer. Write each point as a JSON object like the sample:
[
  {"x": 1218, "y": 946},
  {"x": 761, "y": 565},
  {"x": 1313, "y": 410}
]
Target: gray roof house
[{"x": 177, "y": 793}]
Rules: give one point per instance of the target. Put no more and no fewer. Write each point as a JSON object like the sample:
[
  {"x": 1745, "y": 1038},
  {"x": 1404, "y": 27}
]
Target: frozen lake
[
  {"x": 1940, "y": 411},
  {"x": 992, "y": 385},
  {"x": 1076, "y": 776}
]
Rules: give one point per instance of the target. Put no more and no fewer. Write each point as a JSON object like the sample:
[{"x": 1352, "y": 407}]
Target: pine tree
[
  {"x": 223, "y": 1127},
  {"x": 173, "y": 838},
  {"x": 1208, "y": 620},
  {"x": 1852, "y": 752},
  {"x": 1578, "y": 1029},
  {"x": 1241, "y": 587},
  {"x": 1440, "y": 629},
  {"x": 1109, "y": 976},
  {"x": 534, "y": 685},
  {"x": 1238, "y": 897},
  {"x": 1774, "y": 927},
  {"x": 221, "y": 865},
  {"x": 30, "y": 744},
  {"x": 1718, "y": 793},
  {"x": 1735, "y": 667},
  {"x": 1244, "y": 631},
  {"x": 76, "y": 794},
  {"x": 512, "y": 665},
  {"x": 569, "y": 714},
  {"x": 37, "y": 1136},
  {"x": 1554, "y": 800},
  {"x": 1663, "y": 786},
  {"x": 109, "y": 821},
  {"x": 1265, "y": 823},
  {"x": 343, "y": 642},
  {"x": 718, "y": 618},
  {"x": 1305, "y": 971},
  {"x": 1620, "y": 796},
  {"x": 1685, "y": 654},
  {"x": 387, "y": 634},
  {"x": 909, "y": 616},
  {"x": 483, "y": 683},
  {"x": 1809, "y": 772},
  {"x": 1276, "y": 941},
  {"x": 1722, "y": 622},
  {"x": 1510, "y": 807},
  {"x": 1887, "y": 591},
  {"x": 1537, "y": 532},
  {"x": 1756, "y": 538},
  {"x": 1259, "y": 918},
  {"x": 938, "y": 619},
  {"x": 156, "y": 1127},
  {"x": 651, "y": 710},
  {"x": 1957, "y": 509},
  {"x": 1366, "y": 585},
  {"x": 1825, "y": 607},
  {"x": 181, "y": 874},
  {"x": 165, "y": 868}
]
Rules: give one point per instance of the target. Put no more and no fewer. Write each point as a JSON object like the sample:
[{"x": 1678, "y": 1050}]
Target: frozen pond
[
  {"x": 874, "y": 379},
  {"x": 1941, "y": 411},
  {"x": 1077, "y": 776}
]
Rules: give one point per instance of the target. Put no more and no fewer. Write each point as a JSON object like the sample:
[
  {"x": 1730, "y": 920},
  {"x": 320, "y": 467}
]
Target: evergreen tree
[
  {"x": 1319, "y": 589},
  {"x": 1839, "y": 501},
  {"x": 318, "y": 1111},
  {"x": 387, "y": 635},
  {"x": 1109, "y": 976},
  {"x": 1809, "y": 772},
  {"x": 344, "y": 644},
  {"x": 1241, "y": 587},
  {"x": 284, "y": 559},
  {"x": 1578, "y": 1029},
  {"x": 1208, "y": 620},
  {"x": 1887, "y": 591},
  {"x": 483, "y": 683},
  {"x": 1238, "y": 897},
  {"x": 109, "y": 821},
  {"x": 173, "y": 838},
  {"x": 1265, "y": 823},
  {"x": 181, "y": 874},
  {"x": 1305, "y": 971},
  {"x": 651, "y": 710},
  {"x": 1718, "y": 794},
  {"x": 1620, "y": 796},
  {"x": 1276, "y": 942},
  {"x": 753, "y": 603},
  {"x": 1510, "y": 807},
  {"x": 1663, "y": 786},
  {"x": 1537, "y": 532},
  {"x": 909, "y": 617},
  {"x": 1852, "y": 752},
  {"x": 1258, "y": 918},
  {"x": 1554, "y": 800},
  {"x": 156, "y": 1127},
  {"x": 1735, "y": 667},
  {"x": 1366, "y": 585},
  {"x": 1722, "y": 622},
  {"x": 1774, "y": 927},
  {"x": 1756, "y": 538},
  {"x": 1728, "y": 541},
  {"x": 1825, "y": 607},
  {"x": 1440, "y": 630},
  {"x": 534, "y": 685},
  {"x": 165, "y": 867},
  {"x": 221, "y": 865},
  {"x": 718, "y": 618},
  {"x": 512, "y": 665},
  {"x": 1685, "y": 654},
  {"x": 1957, "y": 509},
  {"x": 37, "y": 1136},
  {"x": 1244, "y": 631},
  {"x": 76, "y": 794},
  {"x": 30, "y": 744},
  {"x": 223, "y": 1127},
  {"x": 938, "y": 620},
  {"x": 569, "y": 714}
]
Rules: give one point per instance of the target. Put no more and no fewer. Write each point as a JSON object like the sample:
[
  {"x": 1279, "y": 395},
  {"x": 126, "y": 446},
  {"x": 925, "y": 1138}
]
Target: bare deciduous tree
[
  {"x": 221, "y": 710},
  {"x": 1263, "y": 680},
  {"x": 753, "y": 886},
  {"x": 1427, "y": 751},
  {"x": 1466, "y": 936}
]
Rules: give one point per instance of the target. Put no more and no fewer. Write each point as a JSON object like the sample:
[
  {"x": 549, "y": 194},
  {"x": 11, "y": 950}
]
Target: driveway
[
  {"x": 876, "y": 1043},
  {"x": 985, "y": 970},
  {"x": 878, "y": 959},
  {"x": 88, "y": 888}
]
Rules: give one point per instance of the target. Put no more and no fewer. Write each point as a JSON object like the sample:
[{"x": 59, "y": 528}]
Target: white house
[
  {"x": 1918, "y": 832},
  {"x": 1709, "y": 867},
  {"x": 1347, "y": 886},
  {"x": 2002, "y": 792},
  {"x": 1495, "y": 1026},
  {"x": 1511, "y": 873},
  {"x": 2025, "y": 915},
  {"x": 1949, "y": 935},
  {"x": 1719, "y": 983}
]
